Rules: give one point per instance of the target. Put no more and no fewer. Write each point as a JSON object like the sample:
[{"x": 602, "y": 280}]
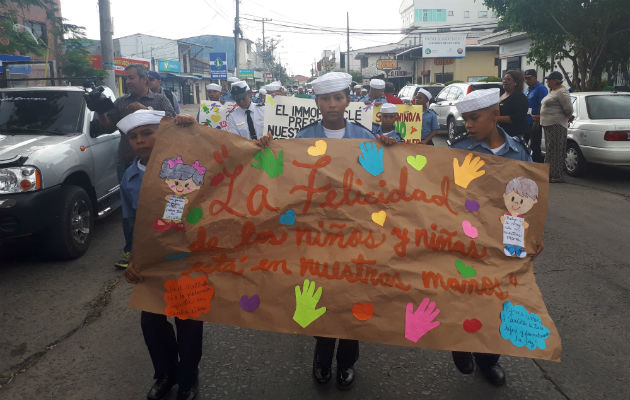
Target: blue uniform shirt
[
  {"x": 130, "y": 189},
  {"x": 353, "y": 131},
  {"x": 377, "y": 129},
  {"x": 534, "y": 98},
  {"x": 429, "y": 122},
  {"x": 365, "y": 98},
  {"x": 513, "y": 148}
]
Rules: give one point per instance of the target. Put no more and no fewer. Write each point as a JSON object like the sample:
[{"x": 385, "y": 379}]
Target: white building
[{"x": 435, "y": 14}]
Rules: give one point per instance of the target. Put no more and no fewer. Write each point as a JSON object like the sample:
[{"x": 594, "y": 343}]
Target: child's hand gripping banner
[{"x": 409, "y": 245}]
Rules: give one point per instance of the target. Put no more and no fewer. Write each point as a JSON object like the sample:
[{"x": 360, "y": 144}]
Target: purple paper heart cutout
[
  {"x": 472, "y": 205},
  {"x": 250, "y": 304}
]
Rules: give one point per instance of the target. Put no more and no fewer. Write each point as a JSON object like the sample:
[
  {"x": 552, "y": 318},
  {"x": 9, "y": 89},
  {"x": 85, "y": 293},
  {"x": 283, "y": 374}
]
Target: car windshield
[
  {"x": 608, "y": 107},
  {"x": 42, "y": 112}
]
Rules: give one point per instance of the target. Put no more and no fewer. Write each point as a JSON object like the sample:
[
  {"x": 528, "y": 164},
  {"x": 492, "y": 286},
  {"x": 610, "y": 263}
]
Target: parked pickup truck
[{"x": 56, "y": 177}]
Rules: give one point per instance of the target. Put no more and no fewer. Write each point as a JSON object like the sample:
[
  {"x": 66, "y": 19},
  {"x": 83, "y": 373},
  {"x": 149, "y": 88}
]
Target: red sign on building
[{"x": 119, "y": 63}]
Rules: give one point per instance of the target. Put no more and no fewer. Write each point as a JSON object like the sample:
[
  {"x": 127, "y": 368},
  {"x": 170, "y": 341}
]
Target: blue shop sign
[{"x": 169, "y": 66}]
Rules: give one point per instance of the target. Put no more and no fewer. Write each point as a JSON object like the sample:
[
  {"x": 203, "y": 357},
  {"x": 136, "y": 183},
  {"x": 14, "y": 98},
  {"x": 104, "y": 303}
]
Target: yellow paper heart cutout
[
  {"x": 215, "y": 118},
  {"x": 379, "y": 217},
  {"x": 318, "y": 149}
]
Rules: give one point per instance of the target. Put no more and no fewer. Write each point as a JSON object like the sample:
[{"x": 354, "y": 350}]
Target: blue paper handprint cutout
[{"x": 371, "y": 158}]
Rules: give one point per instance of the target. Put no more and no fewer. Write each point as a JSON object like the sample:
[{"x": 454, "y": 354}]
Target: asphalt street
[{"x": 66, "y": 331}]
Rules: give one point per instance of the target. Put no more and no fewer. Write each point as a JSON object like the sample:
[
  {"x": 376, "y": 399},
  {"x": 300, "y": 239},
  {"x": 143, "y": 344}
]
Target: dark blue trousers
[{"x": 175, "y": 356}]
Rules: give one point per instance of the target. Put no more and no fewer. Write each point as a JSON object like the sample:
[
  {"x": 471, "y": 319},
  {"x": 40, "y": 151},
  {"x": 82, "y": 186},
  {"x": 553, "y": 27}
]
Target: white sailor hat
[
  {"x": 331, "y": 82},
  {"x": 239, "y": 90},
  {"x": 426, "y": 93},
  {"x": 274, "y": 86},
  {"x": 240, "y": 84},
  {"x": 140, "y": 118},
  {"x": 263, "y": 91},
  {"x": 357, "y": 87},
  {"x": 377, "y": 84},
  {"x": 364, "y": 90},
  {"x": 478, "y": 100},
  {"x": 213, "y": 86},
  {"x": 232, "y": 79},
  {"x": 389, "y": 108}
]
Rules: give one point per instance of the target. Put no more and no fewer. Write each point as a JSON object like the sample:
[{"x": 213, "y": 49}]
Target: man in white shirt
[{"x": 247, "y": 120}]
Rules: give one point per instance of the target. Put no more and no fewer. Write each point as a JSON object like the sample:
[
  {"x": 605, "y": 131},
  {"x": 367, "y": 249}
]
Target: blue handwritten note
[{"x": 522, "y": 328}]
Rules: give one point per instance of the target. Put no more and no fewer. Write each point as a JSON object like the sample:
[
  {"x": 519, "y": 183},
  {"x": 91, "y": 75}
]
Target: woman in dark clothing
[{"x": 513, "y": 106}]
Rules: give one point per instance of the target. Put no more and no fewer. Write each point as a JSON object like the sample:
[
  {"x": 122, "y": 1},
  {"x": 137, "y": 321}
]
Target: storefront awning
[{"x": 174, "y": 75}]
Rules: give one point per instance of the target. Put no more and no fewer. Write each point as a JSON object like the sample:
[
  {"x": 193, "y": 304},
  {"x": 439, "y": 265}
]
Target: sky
[{"x": 297, "y": 51}]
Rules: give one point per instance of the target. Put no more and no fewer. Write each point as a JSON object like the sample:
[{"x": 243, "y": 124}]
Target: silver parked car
[
  {"x": 600, "y": 132},
  {"x": 444, "y": 106},
  {"x": 56, "y": 174}
]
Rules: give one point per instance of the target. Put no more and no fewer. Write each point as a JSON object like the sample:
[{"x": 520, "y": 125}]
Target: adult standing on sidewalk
[
  {"x": 556, "y": 112},
  {"x": 535, "y": 92},
  {"x": 513, "y": 106},
  {"x": 155, "y": 84}
]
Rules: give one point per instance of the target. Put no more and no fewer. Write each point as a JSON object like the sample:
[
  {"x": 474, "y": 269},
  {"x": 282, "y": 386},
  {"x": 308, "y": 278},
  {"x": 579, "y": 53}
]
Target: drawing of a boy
[{"x": 520, "y": 196}]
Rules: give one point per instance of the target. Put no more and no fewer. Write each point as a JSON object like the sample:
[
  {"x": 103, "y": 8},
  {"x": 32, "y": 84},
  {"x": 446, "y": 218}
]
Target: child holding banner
[
  {"x": 430, "y": 125},
  {"x": 332, "y": 96},
  {"x": 389, "y": 114},
  {"x": 480, "y": 110},
  {"x": 175, "y": 358}
]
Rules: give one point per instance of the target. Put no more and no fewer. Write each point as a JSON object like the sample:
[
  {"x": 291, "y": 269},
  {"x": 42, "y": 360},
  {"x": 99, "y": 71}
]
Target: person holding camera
[{"x": 108, "y": 115}]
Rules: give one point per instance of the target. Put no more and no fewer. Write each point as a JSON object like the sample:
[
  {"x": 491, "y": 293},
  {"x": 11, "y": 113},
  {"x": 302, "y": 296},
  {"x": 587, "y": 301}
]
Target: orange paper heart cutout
[{"x": 363, "y": 311}]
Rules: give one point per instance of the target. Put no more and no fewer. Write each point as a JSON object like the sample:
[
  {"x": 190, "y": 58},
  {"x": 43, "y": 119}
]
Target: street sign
[
  {"x": 218, "y": 65},
  {"x": 386, "y": 64},
  {"x": 246, "y": 73},
  {"x": 268, "y": 76}
]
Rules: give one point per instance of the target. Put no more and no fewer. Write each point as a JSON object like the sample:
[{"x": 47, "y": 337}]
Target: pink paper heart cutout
[{"x": 469, "y": 230}]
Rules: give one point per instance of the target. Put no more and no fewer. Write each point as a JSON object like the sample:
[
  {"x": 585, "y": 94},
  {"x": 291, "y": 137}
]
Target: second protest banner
[{"x": 285, "y": 116}]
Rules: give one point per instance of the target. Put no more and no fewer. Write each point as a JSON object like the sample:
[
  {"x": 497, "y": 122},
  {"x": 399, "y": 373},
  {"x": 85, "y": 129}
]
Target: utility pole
[
  {"x": 237, "y": 30},
  {"x": 107, "y": 44},
  {"x": 263, "y": 20},
  {"x": 348, "y": 41}
]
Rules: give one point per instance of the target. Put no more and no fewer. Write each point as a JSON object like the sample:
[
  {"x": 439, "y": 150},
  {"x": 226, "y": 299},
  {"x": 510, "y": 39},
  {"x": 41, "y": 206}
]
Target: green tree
[
  {"x": 14, "y": 39},
  {"x": 74, "y": 64},
  {"x": 265, "y": 53},
  {"x": 592, "y": 34}
]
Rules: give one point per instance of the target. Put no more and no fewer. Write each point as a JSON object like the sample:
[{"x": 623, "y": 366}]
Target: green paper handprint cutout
[
  {"x": 305, "y": 303},
  {"x": 268, "y": 162}
]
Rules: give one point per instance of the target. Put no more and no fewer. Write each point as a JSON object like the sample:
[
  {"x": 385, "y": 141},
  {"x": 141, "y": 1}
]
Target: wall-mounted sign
[
  {"x": 169, "y": 66},
  {"x": 386, "y": 64},
  {"x": 443, "y": 45}
]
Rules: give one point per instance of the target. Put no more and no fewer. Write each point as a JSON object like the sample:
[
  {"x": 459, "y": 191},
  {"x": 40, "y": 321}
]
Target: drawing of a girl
[{"x": 182, "y": 179}]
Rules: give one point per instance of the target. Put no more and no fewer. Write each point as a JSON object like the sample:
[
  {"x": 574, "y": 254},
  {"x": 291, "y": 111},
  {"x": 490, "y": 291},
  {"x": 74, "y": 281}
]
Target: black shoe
[
  {"x": 160, "y": 388},
  {"x": 321, "y": 375},
  {"x": 345, "y": 378},
  {"x": 188, "y": 394},
  {"x": 494, "y": 374},
  {"x": 464, "y": 362}
]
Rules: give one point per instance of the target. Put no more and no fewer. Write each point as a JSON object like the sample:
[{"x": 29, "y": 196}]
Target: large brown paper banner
[{"x": 408, "y": 245}]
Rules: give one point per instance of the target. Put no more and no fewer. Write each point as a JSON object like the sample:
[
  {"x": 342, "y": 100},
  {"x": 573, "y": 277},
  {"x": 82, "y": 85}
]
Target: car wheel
[
  {"x": 70, "y": 237},
  {"x": 574, "y": 160},
  {"x": 450, "y": 128}
]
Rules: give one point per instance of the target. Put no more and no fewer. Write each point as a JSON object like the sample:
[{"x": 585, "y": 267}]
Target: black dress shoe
[
  {"x": 464, "y": 362},
  {"x": 494, "y": 374},
  {"x": 321, "y": 375},
  {"x": 345, "y": 378},
  {"x": 188, "y": 394},
  {"x": 160, "y": 388}
]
